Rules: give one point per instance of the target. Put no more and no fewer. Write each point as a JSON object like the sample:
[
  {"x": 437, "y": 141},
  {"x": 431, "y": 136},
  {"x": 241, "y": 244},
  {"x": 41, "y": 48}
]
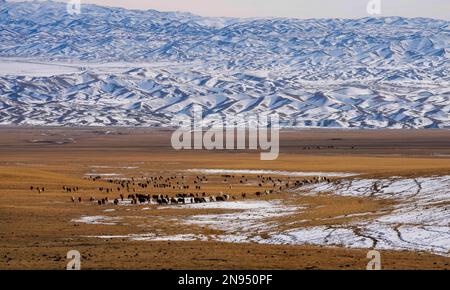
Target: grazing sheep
[
  {"x": 224, "y": 197},
  {"x": 199, "y": 200}
]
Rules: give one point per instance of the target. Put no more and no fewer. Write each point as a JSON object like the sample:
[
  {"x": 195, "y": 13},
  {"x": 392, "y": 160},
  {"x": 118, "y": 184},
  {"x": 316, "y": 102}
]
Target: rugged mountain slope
[{"x": 110, "y": 66}]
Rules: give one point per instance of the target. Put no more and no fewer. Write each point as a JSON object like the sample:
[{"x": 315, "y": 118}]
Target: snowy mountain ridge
[{"x": 112, "y": 66}]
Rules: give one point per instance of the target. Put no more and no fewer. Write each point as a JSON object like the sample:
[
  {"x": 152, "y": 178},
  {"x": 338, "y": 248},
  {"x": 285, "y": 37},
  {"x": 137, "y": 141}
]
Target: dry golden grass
[{"x": 36, "y": 232}]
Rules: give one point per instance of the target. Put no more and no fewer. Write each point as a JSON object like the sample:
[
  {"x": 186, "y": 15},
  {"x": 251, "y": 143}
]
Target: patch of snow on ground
[
  {"x": 154, "y": 237},
  {"x": 251, "y": 217},
  {"x": 97, "y": 220},
  {"x": 420, "y": 222},
  {"x": 103, "y": 174}
]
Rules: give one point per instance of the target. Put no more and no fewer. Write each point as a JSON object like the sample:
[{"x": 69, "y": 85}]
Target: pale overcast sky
[{"x": 289, "y": 8}]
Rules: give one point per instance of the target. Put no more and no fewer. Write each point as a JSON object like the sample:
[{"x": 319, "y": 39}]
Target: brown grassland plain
[{"x": 36, "y": 229}]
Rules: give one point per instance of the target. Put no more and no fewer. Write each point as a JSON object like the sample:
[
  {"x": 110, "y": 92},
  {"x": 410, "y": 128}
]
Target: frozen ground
[
  {"x": 97, "y": 220},
  {"x": 420, "y": 220}
]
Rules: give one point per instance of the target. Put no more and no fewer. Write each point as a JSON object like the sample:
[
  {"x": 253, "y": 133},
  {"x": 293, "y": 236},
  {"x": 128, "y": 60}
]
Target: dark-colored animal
[{"x": 224, "y": 197}]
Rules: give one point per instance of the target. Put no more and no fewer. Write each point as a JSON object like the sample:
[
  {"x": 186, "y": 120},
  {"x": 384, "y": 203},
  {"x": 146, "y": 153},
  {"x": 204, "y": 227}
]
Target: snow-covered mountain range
[{"x": 112, "y": 66}]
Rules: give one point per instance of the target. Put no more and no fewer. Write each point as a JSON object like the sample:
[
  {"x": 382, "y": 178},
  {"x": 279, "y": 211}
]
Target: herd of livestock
[{"x": 128, "y": 189}]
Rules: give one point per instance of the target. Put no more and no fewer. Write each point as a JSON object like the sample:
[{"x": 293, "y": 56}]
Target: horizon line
[{"x": 65, "y": 2}]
